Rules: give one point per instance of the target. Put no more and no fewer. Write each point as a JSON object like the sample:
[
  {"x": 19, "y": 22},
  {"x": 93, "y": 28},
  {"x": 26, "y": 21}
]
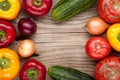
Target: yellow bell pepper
[
  {"x": 9, "y": 9},
  {"x": 113, "y": 36},
  {"x": 9, "y": 64}
]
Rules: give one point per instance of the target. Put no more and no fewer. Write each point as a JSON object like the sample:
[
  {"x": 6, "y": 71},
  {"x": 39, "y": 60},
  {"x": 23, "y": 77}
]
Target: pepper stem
[
  {"x": 2, "y": 36},
  {"x": 4, "y": 63},
  {"x": 37, "y": 3},
  {"x": 5, "y": 5},
  {"x": 118, "y": 37},
  {"x": 32, "y": 74}
]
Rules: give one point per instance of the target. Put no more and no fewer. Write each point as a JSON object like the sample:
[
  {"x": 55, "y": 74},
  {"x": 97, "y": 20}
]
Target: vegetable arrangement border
[{"x": 97, "y": 47}]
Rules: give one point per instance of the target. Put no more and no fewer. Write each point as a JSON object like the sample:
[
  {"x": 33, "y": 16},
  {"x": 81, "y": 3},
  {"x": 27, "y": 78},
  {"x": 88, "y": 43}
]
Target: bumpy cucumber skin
[
  {"x": 64, "y": 73},
  {"x": 59, "y": 3},
  {"x": 66, "y": 9}
]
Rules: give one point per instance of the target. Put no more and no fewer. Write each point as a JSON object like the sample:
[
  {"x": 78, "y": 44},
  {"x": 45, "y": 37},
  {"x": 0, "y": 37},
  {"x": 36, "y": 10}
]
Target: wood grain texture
[{"x": 62, "y": 43}]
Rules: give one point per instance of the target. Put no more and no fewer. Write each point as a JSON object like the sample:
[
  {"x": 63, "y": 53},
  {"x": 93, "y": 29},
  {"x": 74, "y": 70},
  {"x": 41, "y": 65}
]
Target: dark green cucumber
[
  {"x": 65, "y": 73},
  {"x": 59, "y": 3},
  {"x": 66, "y": 9}
]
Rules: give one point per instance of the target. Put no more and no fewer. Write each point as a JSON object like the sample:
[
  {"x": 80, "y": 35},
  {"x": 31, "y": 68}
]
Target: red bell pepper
[
  {"x": 36, "y": 8},
  {"x": 7, "y": 33},
  {"x": 33, "y": 70},
  {"x": 109, "y": 10}
]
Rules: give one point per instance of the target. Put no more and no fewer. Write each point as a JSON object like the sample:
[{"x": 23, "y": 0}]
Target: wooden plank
[{"x": 61, "y": 43}]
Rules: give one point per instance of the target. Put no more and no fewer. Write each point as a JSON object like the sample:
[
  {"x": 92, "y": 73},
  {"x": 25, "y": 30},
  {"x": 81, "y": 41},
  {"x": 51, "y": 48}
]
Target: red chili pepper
[
  {"x": 33, "y": 70},
  {"x": 36, "y": 8},
  {"x": 7, "y": 33}
]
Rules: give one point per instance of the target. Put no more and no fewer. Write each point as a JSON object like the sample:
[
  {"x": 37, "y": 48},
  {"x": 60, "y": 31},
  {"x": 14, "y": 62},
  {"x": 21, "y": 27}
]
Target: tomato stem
[
  {"x": 116, "y": 5},
  {"x": 98, "y": 46}
]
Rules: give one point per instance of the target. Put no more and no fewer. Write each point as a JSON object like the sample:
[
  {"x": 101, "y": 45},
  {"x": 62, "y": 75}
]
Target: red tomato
[
  {"x": 109, "y": 10},
  {"x": 108, "y": 69},
  {"x": 97, "y": 48}
]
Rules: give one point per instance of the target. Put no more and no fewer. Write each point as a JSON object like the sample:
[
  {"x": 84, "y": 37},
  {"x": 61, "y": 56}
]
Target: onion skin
[
  {"x": 96, "y": 26},
  {"x": 27, "y": 27},
  {"x": 26, "y": 48}
]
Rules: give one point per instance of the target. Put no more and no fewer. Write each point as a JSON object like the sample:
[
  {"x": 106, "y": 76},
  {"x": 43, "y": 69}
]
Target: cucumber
[
  {"x": 65, "y": 73},
  {"x": 59, "y": 3},
  {"x": 66, "y": 9}
]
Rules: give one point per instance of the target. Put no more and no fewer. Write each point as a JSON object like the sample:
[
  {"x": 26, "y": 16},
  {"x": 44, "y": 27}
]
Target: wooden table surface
[{"x": 62, "y": 43}]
